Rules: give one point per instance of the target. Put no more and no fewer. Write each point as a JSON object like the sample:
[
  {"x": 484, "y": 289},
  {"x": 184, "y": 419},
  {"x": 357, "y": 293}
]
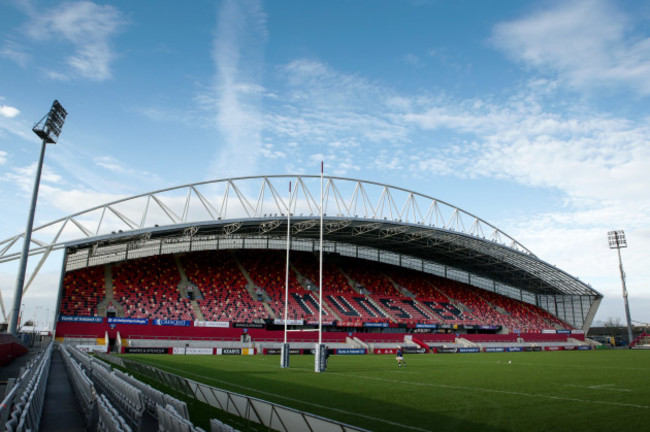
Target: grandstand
[
  {"x": 200, "y": 269},
  {"x": 394, "y": 260}
]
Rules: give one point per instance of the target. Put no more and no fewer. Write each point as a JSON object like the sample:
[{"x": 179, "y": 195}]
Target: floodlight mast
[
  {"x": 48, "y": 129},
  {"x": 617, "y": 241}
]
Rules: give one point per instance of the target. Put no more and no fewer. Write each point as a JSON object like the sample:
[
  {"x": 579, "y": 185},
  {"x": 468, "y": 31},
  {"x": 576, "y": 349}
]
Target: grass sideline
[{"x": 537, "y": 391}]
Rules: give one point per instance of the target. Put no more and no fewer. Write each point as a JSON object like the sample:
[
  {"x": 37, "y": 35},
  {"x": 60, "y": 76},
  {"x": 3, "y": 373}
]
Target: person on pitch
[{"x": 400, "y": 357}]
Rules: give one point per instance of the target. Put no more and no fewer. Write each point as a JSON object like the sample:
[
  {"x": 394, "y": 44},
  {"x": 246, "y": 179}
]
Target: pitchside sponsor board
[
  {"x": 84, "y": 319},
  {"x": 278, "y": 351},
  {"x": 426, "y": 326},
  {"x": 375, "y": 324},
  {"x": 494, "y": 349},
  {"x": 214, "y": 324},
  {"x": 350, "y": 351},
  {"x": 443, "y": 350},
  {"x": 410, "y": 350},
  {"x": 235, "y": 351},
  {"x": 116, "y": 320},
  {"x": 168, "y": 322},
  {"x": 325, "y": 323},
  {"x": 298, "y": 322},
  {"x": 145, "y": 350},
  {"x": 248, "y": 325},
  {"x": 193, "y": 351},
  {"x": 385, "y": 351},
  {"x": 468, "y": 350},
  {"x": 349, "y": 324}
]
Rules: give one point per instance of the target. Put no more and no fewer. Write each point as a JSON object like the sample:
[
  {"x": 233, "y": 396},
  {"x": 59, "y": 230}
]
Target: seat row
[
  {"x": 118, "y": 402},
  {"x": 154, "y": 398},
  {"x": 109, "y": 419},
  {"x": 82, "y": 387},
  {"x": 127, "y": 398},
  {"x": 24, "y": 402}
]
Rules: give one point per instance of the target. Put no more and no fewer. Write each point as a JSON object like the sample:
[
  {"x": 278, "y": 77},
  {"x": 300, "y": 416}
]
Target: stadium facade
[{"x": 361, "y": 219}]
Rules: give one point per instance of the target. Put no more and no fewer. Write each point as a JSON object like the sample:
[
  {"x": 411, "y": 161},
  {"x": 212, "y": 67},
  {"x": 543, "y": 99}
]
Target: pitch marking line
[
  {"x": 367, "y": 417},
  {"x": 599, "y": 387}
]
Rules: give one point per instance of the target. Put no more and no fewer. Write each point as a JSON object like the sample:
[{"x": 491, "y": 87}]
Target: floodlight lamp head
[
  {"x": 49, "y": 127},
  {"x": 616, "y": 239}
]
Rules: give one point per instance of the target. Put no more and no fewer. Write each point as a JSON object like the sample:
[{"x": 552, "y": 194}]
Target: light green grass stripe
[{"x": 464, "y": 388}]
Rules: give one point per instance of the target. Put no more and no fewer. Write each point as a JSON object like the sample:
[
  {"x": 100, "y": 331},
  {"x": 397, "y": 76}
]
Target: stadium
[{"x": 234, "y": 266}]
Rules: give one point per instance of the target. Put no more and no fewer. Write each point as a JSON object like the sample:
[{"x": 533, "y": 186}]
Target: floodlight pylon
[
  {"x": 48, "y": 129},
  {"x": 617, "y": 241}
]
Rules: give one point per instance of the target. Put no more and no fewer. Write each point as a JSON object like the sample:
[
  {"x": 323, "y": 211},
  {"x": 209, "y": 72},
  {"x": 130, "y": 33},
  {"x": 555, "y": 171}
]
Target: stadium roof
[{"x": 356, "y": 212}]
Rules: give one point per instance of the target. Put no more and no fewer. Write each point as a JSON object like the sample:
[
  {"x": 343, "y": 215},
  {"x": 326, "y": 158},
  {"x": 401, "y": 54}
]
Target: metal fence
[{"x": 274, "y": 416}]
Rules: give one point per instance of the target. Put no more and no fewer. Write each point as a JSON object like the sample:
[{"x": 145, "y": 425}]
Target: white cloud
[
  {"x": 89, "y": 28},
  {"x": 3, "y": 157},
  {"x": 237, "y": 54},
  {"x": 585, "y": 42},
  {"x": 8, "y": 111},
  {"x": 588, "y": 156}
]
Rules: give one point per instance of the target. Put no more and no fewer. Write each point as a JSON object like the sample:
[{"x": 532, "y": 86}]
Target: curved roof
[{"x": 356, "y": 212}]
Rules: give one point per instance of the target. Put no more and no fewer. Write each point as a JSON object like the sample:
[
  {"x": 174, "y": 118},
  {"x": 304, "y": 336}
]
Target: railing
[{"x": 274, "y": 416}]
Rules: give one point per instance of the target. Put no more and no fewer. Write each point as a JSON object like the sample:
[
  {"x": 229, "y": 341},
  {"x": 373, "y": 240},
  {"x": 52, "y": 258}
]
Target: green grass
[{"x": 539, "y": 391}]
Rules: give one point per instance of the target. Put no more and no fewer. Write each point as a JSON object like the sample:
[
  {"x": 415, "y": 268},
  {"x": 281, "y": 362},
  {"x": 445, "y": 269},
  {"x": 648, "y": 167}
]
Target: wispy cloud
[
  {"x": 333, "y": 115},
  {"x": 238, "y": 57},
  {"x": 89, "y": 28},
  {"x": 3, "y": 157},
  {"x": 586, "y": 43},
  {"x": 15, "y": 52}
]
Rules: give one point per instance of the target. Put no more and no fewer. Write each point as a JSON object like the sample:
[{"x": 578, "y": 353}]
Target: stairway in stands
[
  {"x": 110, "y": 299},
  {"x": 182, "y": 287}
]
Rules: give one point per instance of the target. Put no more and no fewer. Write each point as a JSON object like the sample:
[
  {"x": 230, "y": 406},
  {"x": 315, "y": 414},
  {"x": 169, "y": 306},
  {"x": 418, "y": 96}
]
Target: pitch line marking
[
  {"x": 599, "y": 387},
  {"x": 367, "y": 417},
  {"x": 446, "y": 386}
]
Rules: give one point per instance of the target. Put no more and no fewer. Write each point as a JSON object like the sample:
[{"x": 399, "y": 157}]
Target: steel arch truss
[{"x": 355, "y": 211}]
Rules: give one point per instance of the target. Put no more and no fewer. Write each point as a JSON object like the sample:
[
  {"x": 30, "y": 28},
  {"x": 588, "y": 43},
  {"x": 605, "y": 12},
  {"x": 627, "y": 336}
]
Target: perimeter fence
[{"x": 274, "y": 416}]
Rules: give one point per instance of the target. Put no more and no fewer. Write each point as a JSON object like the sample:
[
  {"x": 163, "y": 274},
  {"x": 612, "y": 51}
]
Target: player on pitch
[{"x": 400, "y": 357}]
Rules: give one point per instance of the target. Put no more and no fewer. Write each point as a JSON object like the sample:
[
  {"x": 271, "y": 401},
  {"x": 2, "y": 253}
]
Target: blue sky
[{"x": 530, "y": 114}]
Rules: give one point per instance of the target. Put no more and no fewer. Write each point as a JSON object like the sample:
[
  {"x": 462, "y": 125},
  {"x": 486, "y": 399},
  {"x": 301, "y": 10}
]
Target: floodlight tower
[
  {"x": 617, "y": 241},
  {"x": 48, "y": 129}
]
